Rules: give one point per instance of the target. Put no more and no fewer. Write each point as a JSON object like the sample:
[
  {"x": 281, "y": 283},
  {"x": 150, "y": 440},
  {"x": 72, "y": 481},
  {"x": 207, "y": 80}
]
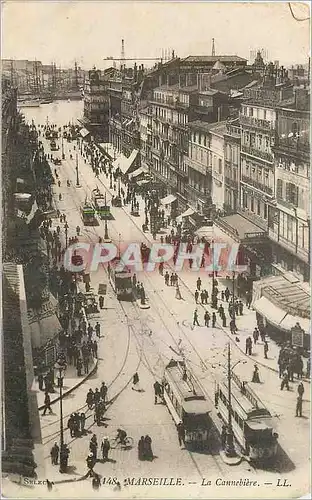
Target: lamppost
[
  {"x": 61, "y": 370},
  {"x": 66, "y": 233},
  {"x": 77, "y": 172},
  {"x": 111, "y": 181},
  {"x": 63, "y": 155},
  {"x": 230, "y": 451},
  {"x": 106, "y": 237},
  {"x": 233, "y": 296}
]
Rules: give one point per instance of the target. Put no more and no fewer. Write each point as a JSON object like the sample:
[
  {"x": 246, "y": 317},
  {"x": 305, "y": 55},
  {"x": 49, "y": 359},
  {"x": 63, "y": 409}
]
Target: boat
[
  {"x": 46, "y": 101},
  {"x": 33, "y": 103}
]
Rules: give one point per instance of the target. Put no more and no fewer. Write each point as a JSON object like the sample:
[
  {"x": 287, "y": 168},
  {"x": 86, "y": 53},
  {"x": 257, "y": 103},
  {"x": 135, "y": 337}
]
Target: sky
[{"x": 88, "y": 31}]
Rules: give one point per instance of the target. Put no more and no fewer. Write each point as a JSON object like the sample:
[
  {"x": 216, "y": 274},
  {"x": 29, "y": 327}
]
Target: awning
[
  {"x": 188, "y": 212},
  {"x": 168, "y": 199},
  {"x": 22, "y": 196},
  {"x": 137, "y": 172},
  {"x": 290, "y": 321},
  {"x": 205, "y": 231},
  {"x": 124, "y": 163},
  {"x": 271, "y": 312},
  {"x": 84, "y": 132},
  {"x": 143, "y": 181}
]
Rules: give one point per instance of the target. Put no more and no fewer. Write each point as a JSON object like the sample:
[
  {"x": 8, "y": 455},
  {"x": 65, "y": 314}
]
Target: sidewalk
[{"x": 71, "y": 382}]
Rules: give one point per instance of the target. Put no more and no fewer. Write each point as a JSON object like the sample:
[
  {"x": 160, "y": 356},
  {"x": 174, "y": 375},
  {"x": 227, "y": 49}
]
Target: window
[
  {"x": 252, "y": 205},
  {"x": 265, "y": 211},
  {"x": 245, "y": 204},
  {"x": 205, "y": 140},
  {"x": 258, "y": 207},
  {"x": 250, "y": 111},
  {"x": 264, "y": 114},
  {"x": 292, "y": 193},
  {"x": 279, "y": 188},
  {"x": 220, "y": 166}
]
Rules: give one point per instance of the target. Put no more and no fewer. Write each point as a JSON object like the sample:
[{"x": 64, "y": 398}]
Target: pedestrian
[
  {"x": 262, "y": 335},
  {"x": 135, "y": 382},
  {"x": 101, "y": 301},
  {"x": 40, "y": 382},
  {"x": 97, "y": 329},
  {"x": 157, "y": 391},
  {"x": 82, "y": 422},
  {"x": 90, "y": 399},
  {"x": 248, "y": 346},
  {"x": 214, "y": 319},
  {"x": 255, "y": 375},
  {"x": 167, "y": 278},
  {"x": 181, "y": 433},
  {"x": 105, "y": 447},
  {"x": 300, "y": 389},
  {"x": 79, "y": 367},
  {"x": 285, "y": 381},
  {"x": 172, "y": 279},
  {"x": 241, "y": 308},
  {"x": 141, "y": 449},
  {"x": 207, "y": 318},
  {"x": 196, "y": 295},
  {"x": 96, "y": 396},
  {"x": 265, "y": 349},
  {"x": 148, "y": 448},
  {"x": 222, "y": 295},
  {"x": 91, "y": 461},
  {"x": 47, "y": 403},
  {"x": 94, "y": 348},
  {"x": 227, "y": 294},
  {"x": 54, "y": 453},
  {"x": 195, "y": 318},
  {"x": 93, "y": 446},
  {"x": 103, "y": 391},
  {"x": 255, "y": 335},
  {"x": 198, "y": 283},
  {"x": 299, "y": 406},
  {"x": 202, "y": 296},
  {"x": 86, "y": 364},
  {"x": 223, "y": 318},
  {"x": 70, "y": 425},
  {"x": 233, "y": 327},
  {"x": 206, "y": 297}
]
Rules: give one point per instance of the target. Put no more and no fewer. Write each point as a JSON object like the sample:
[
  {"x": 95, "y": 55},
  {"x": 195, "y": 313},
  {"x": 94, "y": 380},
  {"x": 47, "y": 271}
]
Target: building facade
[
  {"x": 289, "y": 218},
  {"x": 232, "y": 146},
  {"x": 96, "y": 104}
]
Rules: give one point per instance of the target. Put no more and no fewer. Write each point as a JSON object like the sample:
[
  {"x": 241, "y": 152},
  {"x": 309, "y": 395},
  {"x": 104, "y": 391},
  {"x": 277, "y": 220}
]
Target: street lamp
[
  {"x": 61, "y": 371},
  {"x": 106, "y": 237},
  {"x": 230, "y": 451},
  {"x": 63, "y": 155},
  {"x": 77, "y": 172},
  {"x": 233, "y": 296},
  {"x": 66, "y": 233}
]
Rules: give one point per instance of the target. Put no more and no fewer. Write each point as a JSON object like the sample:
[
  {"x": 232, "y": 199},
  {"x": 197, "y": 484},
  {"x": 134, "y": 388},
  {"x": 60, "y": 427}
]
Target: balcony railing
[
  {"x": 256, "y": 122},
  {"x": 293, "y": 145},
  {"x": 257, "y": 153},
  {"x": 233, "y": 130},
  {"x": 230, "y": 182},
  {"x": 257, "y": 185},
  {"x": 285, "y": 203}
]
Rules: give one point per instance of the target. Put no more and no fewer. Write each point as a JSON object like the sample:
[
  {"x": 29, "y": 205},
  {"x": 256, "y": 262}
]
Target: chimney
[
  {"x": 302, "y": 99},
  {"x": 219, "y": 113}
]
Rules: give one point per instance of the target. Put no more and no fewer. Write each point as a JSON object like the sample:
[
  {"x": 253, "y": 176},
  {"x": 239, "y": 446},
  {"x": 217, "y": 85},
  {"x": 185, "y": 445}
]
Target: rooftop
[
  {"x": 214, "y": 59},
  {"x": 177, "y": 88}
]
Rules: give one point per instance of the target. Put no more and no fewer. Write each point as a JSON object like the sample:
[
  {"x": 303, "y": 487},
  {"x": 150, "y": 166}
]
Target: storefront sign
[{"x": 297, "y": 334}]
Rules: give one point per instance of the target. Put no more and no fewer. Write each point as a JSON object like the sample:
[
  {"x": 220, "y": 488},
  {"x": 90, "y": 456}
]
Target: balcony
[
  {"x": 231, "y": 183},
  {"x": 285, "y": 203},
  {"x": 233, "y": 131},
  {"x": 257, "y": 123},
  {"x": 198, "y": 192},
  {"x": 258, "y": 154},
  {"x": 257, "y": 185},
  {"x": 198, "y": 166},
  {"x": 292, "y": 145}
]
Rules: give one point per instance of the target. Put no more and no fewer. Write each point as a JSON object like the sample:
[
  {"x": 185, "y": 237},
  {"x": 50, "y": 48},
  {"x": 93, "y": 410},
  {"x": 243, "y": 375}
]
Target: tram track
[{"x": 156, "y": 308}]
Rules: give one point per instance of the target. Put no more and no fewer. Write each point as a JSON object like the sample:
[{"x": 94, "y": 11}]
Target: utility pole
[
  {"x": 213, "y": 51},
  {"x": 229, "y": 447},
  {"x": 76, "y": 76},
  {"x": 77, "y": 172}
]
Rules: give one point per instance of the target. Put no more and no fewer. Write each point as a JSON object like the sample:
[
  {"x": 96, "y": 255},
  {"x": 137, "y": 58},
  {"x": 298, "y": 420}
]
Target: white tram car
[
  {"x": 187, "y": 403},
  {"x": 121, "y": 281},
  {"x": 252, "y": 422}
]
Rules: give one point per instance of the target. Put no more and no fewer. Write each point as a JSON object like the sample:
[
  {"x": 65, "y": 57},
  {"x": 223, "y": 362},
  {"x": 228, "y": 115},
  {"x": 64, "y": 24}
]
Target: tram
[
  {"x": 100, "y": 205},
  {"x": 251, "y": 421},
  {"x": 186, "y": 402},
  {"x": 121, "y": 281},
  {"x": 88, "y": 215},
  {"x": 53, "y": 145}
]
